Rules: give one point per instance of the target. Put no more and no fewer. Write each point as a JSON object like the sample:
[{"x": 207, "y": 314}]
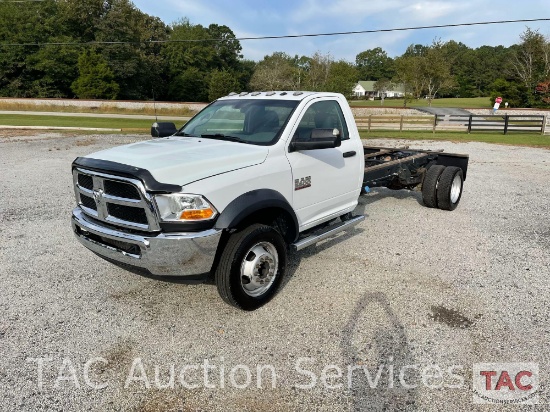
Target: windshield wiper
[
  {"x": 185, "y": 134},
  {"x": 221, "y": 136}
]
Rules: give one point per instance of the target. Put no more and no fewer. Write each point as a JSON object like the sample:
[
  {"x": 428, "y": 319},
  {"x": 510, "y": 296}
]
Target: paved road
[{"x": 442, "y": 111}]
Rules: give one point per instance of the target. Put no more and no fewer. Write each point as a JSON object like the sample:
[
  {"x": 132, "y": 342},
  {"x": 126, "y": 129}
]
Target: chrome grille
[
  {"x": 86, "y": 181},
  {"x": 117, "y": 200},
  {"x": 120, "y": 189},
  {"x": 131, "y": 214},
  {"x": 88, "y": 202}
]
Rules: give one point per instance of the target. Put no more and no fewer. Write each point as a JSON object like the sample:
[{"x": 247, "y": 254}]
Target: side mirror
[
  {"x": 163, "y": 129},
  {"x": 320, "y": 139}
]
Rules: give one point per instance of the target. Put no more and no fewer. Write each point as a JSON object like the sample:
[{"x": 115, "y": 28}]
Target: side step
[{"x": 326, "y": 233}]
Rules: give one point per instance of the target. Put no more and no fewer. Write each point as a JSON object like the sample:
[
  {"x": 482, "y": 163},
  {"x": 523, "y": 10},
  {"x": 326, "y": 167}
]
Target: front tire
[{"x": 251, "y": 267}]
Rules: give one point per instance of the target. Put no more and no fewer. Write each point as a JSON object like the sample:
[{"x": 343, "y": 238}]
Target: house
[{"x": 365, "y": 90}]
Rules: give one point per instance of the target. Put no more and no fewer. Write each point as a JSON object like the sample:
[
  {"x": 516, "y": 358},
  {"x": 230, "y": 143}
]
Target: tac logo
[{"x": 506, "y": 383}]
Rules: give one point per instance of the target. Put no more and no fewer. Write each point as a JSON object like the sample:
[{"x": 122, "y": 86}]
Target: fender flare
[{"x": 253, "y": 201}]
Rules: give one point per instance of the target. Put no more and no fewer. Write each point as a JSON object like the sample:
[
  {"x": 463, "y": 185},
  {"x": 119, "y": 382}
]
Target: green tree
[
  {"x": 191, "y": 85},
  {"x": 436, "y": 70},
  {"x": 317, "y": 73},
  {"x": 511, "y": 92},
  {"x": 28, "y": 23},
  {"x": 55, "y": 68},
  {"x": 244, "y": 73},
  {"x": 275, "y": 72},
  {"x": 199, "y": 51},
  {"x": 133, "y": 64},
  {"x": 227, "y": 49},
  {"x": 341, "y": 78},
  {"x": 531, "y": 64},
  {"x": 96, "y": 79},
  {"x": 416, "y": 50},
  {"x": 221, "y": 83},
  {"x": 410, "y": 72},
  {"x": 374, "y": 64},
  {"x": 382, "y": 86}
]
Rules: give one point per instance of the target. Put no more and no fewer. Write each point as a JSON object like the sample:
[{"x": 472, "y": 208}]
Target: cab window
[{"x": 322, "y": 115}]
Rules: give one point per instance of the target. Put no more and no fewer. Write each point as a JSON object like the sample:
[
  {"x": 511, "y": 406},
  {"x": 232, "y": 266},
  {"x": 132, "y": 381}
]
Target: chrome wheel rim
[
  {"x": 456, "y": 188},
  {"x": 259, "y": 269}
]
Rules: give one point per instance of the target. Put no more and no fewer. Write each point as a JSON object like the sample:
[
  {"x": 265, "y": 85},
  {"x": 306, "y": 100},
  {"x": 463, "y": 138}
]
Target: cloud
[
  {"x": 284, "y": 17},
  {"x": 429, "y": 11}
]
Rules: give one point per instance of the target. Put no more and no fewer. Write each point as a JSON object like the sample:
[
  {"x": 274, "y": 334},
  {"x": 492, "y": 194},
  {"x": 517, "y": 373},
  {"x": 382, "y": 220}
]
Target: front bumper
[{"x": 164, "y": 254}]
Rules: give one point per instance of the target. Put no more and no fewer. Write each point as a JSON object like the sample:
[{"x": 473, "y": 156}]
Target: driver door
[{"x": 325, "y": 181}]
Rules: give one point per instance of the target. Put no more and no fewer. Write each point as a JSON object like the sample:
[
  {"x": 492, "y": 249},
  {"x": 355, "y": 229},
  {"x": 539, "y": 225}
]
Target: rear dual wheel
[{"x": 442, "y": 187}]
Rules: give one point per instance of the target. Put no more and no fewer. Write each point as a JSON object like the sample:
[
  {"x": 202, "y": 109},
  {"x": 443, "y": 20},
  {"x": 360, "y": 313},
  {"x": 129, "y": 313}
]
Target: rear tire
[
  {"x": 429, "y": 185},
  {"x": 251, "y": 267},
  {"x": 449, "y": 188}
]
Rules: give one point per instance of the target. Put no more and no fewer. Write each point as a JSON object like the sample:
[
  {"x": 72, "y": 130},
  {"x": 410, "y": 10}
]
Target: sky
[{"x": 253, "y": 18}]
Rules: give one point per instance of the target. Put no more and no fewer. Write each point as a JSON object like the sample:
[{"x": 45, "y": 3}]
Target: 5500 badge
[{"x": 302, "y": 183}]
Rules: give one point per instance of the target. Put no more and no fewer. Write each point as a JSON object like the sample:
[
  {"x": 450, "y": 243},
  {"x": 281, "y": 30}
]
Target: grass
[
  {"x": 70, "y": 121},
  {"x": 103, "y": 109},
  {"x": 470, "y": 103},
  {"x": 513, "y": 138}
]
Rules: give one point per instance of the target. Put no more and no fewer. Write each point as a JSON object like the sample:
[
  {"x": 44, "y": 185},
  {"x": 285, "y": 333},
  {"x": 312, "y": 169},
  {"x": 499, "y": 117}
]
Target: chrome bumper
[{"x": 166, "y": 254}]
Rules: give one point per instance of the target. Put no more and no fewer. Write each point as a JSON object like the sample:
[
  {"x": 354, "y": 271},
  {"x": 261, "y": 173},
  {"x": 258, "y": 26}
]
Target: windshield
[{"x": 252, "y": 121}]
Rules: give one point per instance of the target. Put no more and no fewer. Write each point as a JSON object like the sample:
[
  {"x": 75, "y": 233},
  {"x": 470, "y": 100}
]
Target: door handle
[{"x": 349, "y": 154}]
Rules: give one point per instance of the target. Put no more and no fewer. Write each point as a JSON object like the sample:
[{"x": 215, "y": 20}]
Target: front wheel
[{"x": 251, "y": 267}]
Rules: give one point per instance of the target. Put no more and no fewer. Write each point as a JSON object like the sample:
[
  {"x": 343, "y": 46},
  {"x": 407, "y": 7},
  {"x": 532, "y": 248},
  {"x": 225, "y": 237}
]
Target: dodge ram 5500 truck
[{"x": 246, "y": 179}]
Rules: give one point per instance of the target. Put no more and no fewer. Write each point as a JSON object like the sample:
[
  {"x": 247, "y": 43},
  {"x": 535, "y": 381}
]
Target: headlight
[{"x": 179, "y": 207}]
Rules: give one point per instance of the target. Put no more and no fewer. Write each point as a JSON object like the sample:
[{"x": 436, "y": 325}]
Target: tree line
[{"x": 109, "y": 49}]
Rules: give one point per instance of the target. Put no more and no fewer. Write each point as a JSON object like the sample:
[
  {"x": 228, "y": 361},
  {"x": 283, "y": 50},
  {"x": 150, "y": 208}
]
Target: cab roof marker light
[
  {"x": 284, "y": 93},
  {"x": 270, "y": 94},
  {"x": 255, "y": 93},
  {"x": 232, "y": 94},
  {"x": 243, "y": 94},
  {"x": 297, "y": 93}
]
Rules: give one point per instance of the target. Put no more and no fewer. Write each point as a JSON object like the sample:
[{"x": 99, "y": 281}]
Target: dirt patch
[
  {"x": 452, "y": 317},
  {"x": 86, "y": 142}
]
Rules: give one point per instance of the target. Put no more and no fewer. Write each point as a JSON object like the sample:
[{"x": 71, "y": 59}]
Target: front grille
[
  {"x": 128, "y": 213},
  {"x": 88, "y": 202},
  {"x": 86, "y": 181},
  {"x": 120, "y": 189},
  {"x": 117, "y": 201}
]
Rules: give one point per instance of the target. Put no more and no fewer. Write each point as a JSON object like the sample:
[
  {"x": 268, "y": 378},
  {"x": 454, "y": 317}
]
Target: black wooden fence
[{"x": 505, "y": 123}]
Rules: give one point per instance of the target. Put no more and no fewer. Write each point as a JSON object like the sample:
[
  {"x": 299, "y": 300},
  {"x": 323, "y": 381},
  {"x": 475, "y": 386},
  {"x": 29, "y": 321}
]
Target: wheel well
[{"x": 276, "y": 217}]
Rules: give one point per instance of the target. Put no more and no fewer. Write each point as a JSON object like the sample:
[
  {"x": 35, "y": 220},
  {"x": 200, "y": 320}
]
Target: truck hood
[{"x": 183, "y": 160}]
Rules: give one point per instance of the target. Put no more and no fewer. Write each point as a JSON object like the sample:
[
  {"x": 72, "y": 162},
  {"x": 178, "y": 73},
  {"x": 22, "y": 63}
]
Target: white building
[{"x": 365, "y": 90}]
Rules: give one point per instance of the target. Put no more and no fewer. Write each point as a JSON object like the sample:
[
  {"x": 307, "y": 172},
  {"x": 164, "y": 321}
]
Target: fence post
[
  {"x": 370, "y": 121},
  {"x": 435, "y": 123},
  {"x": 470, "y": 124},
  {"x": 401, "y": 124},
  {"x": 505, "y": 124},
  {"x": 543, "y": 128}
]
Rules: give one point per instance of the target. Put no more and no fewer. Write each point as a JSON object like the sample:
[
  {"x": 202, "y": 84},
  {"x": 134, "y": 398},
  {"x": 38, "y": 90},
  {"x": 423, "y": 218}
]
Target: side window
[{"x": 322, "y": 115}]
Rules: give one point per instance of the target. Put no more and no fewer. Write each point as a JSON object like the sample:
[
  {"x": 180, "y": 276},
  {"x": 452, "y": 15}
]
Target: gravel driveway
[{"x": 413, "y": 296}]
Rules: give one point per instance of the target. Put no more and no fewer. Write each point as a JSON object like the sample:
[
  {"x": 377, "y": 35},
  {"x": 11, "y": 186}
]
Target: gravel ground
[{"x": 409, "y": 286}]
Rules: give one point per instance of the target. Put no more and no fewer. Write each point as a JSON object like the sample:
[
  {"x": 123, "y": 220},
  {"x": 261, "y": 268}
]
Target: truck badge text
[{"x": 302, "y": 183}]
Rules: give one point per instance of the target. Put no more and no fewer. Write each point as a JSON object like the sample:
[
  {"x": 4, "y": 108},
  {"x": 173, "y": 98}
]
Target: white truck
[{"x": 250, "y": 177}]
